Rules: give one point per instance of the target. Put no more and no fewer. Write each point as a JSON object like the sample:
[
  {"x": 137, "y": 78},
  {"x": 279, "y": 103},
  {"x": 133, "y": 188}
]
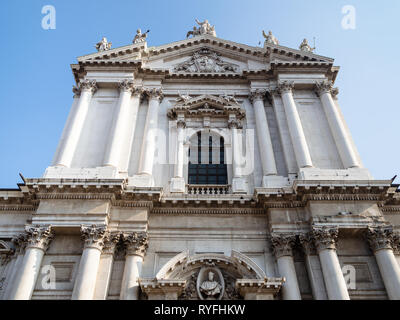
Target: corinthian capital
[
  {"x": 307, "y": 241},
  {"x": 325, "y": 237},
  {"x": 88, "y": 85},
  {"x": 380, "y": 237},
  {"x": 324, "y": 86},
  {"x": 285, "y": 86},
  {"x": 20, "y": 241},
  {"x": 110, "y": 242},
  {"x": 396, "y": 243},
  {"x": 39, "y": 236},
  {"x": 155, "y": 93},
  {"x": 94, "y": 236},
  {"x": 181, "y": 123},
  {"x": 282, "y": 244},
  {"x": 126, "y": 85},
  {"x": 258, "y": 94},
  {"x": 234, "y": 124},
  {"x": 136, "y": 243}
]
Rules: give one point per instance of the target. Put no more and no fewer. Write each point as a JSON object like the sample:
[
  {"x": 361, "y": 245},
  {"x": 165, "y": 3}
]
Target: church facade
[{"x": 202, "y": 169}]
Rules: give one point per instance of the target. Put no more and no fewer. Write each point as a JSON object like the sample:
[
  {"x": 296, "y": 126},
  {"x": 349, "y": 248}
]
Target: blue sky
[{"x": 36, "y": 80}]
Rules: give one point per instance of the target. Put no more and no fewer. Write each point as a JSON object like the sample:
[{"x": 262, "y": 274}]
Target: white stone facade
[{"x": 117, "y": 215}]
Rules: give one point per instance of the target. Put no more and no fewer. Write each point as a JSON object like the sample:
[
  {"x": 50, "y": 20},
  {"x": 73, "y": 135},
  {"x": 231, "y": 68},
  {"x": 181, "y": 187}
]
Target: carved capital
[
  {"x": 126, "y": 85},
  {"x": 282, "y": 244},
  {"x": 110, "y": 242},
  {"x": 335, "y": 92},
  {"x": 380, "y": 237},
  {"x": 94, "y": 236},
  {"x": 234, "y": 124},
  {"x": 285, "y": 86},
  {"x": 76, "y": 91},
  {"x": 325, "y": 86},
  {"x": 307, "y": 241},
  {"x": 396, "y": 243},
  {"x": 136, "y": 243},
  {"x": 181, "y": 123},
  {"x": 88, "y": 85},
  {"x": 39, "y": 236},
  {"x": 258, "y": 94},
  {"x": 20, "y": 241},
  {"x": 325, "y": 237},
  {"x": 155, "y": 93}
]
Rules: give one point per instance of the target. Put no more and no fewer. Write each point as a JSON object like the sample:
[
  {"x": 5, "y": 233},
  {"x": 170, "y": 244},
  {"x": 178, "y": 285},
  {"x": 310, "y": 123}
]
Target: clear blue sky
[{"x": 36, "y": 79}]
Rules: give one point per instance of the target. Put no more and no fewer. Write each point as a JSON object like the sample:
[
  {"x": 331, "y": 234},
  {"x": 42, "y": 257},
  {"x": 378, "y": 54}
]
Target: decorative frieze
[
  {"x": 39, "y": 236},
  {"x": 283, "y": 244},
  {"x": 380, "y": 237},
  {"x": 325, "y": 237},
  {"x": 136, "y": 243},
  {"x": 94, "y": 236}
]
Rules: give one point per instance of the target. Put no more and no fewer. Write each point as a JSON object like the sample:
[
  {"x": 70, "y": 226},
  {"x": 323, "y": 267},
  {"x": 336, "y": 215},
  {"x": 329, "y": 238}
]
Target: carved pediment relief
[{"x": 206, "y": 61}]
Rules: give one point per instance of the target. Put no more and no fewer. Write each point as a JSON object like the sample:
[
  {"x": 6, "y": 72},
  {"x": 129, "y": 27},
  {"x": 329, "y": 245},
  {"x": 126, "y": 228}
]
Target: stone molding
[
  {"x": 135, "y": 243},
  {"x": 325, "y": 237},
  {"x": 94, "y": 236},
  {"x": 285, "y": 87},
  {"x": 380, "y": 237},
  {"x": 283, "y": 244},
  {"x": 39, "y": 237}
]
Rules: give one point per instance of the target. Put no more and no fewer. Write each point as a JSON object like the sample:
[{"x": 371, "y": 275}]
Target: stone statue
[
  {"x": 140, "y": 37},
  {"x": 304, "y": 46},
  {"x": 205, "y": 28},
  {"x": 182, "y": 97},
  {"x": 269, "y": 38},
  {"x": 103, "y": 45},
  {"x": 210, "y": 287}
]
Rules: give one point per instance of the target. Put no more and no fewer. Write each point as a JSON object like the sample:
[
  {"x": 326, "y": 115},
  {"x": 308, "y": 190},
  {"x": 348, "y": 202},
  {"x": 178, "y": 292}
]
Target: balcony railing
[{"x": 208, "y": 189}]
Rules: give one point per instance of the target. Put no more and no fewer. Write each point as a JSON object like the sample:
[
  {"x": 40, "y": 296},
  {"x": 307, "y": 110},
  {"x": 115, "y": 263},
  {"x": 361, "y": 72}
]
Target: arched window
[{"x": 207, "y": 159}]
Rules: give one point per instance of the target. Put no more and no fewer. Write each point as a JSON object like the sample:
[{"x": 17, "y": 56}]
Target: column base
[
  {"x": 274, "y": 181},
  {"x": 239, "y": 185},
  {"x": 141, "y": 180},
  {"x": 177, "y": 185}
]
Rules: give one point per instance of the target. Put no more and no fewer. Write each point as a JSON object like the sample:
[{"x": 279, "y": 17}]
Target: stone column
[
  {"x": 283, "y": 245},
  {"x": 136, "y": 245},
  {"x": 238, "y": 181},
  {"x": 380, "y": 240},
  {"x": 178, "y": 181},
  {"x": 299, "y": 141},
  {"x": 149, "y": 136},
  {"x": 106, "y": 265},
  {"x": 396, "y": 247},
  {"x": 336, "y": 125},
  {"x": 39, "y": 238},
  {"x": 313, "y": 267},
  {"x": 85, "y": 282},
  {"x": 122, "y": 128},
  {"x": 263, "y": 134},
  {"x": 73, "y": 131},
  {"x": 325, "y": 241}
]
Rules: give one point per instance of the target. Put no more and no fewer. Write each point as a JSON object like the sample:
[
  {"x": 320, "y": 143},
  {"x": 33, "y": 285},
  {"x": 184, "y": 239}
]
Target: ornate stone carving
[
  {"x": 282, "y": 244},
  {"x": 204, "y": 28},
  {"x": 180, "y": 123},
  {"x": 304, "y": 46},
  {"x": 335, "y": 92},
  {"x": 258, "y": 94},
  {"x": 5, "y": 253},
  {"x": 285, "y": 86},
  {"x": 183, "y": 98},
  {"x": 20, "y": 241},
  {"x": 206, "y": 61},
  {"x": 103, "y": 45},
  {"x": 324, "y": 86},
  {"x": 89, "y": 85},
  {"x": 396, "y": 243},
  {"x": 269, "y": 38},
  {"x": 39, "y": 236},
  {"x": 94, "y": 236},
  {"x": 140, "y": 37},
  {"x": 210, "y": 283},
  {"x": 380, "y": 237},
  {"x": 307, "y": 241},
  {"x": 126, "y": 85},
  {"x": 234, "y": 124},
  {"x": 325, "y": 237},
  {"x": 110, "y": 242},
  {"x": 154, "y": 93},
  {"x": 136, "y": 243}
]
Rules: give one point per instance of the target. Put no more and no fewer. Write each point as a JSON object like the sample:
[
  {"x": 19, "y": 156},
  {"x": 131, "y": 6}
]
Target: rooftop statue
[
  {"x": 204, "y": 28},
  {"x": 304, "y": 46},
  {"x": 140, "y": 37},
  {"x": 103, "y": 45},
  {"x": 269, "y": 38}
]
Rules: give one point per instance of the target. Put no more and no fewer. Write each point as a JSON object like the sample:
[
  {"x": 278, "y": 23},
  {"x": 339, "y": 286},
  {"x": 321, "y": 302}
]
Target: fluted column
[
  {"x": 283, "y": 246},
  {"x": 72, "y": 131},
  {"x": 336, "y": 125},
  {"x": 299, "y": 141},
  {"x": 39, "y": 238},
  {"x": 150, "y": 132},
  {"x": 85, "y": 282},
  {"x": 381, "y": 240},
  {"x": 136, "y": 245},
  {"x": 312, "y": 261},
  {"x": 106, "y": 264},
  {"x": 122, "y": 128},
  {"x": 325, "y": 241},
  {"x": 263, "y": 134}
]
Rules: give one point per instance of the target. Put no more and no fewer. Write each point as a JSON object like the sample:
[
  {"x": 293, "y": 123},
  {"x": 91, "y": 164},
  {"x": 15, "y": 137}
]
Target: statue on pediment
[
  {"x": 270, "y": 38},
  {"x": 103, "y": 45},
  {"x": 140, "y": 37},
  {"x": 304, "y": 46},
  {"x": 204, "y": 28}
]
